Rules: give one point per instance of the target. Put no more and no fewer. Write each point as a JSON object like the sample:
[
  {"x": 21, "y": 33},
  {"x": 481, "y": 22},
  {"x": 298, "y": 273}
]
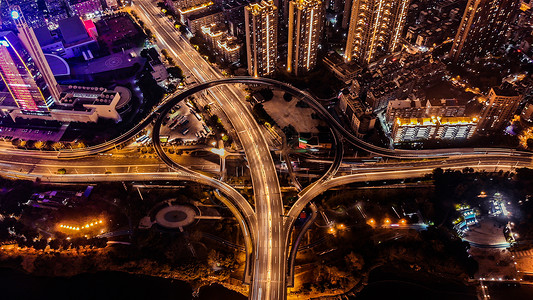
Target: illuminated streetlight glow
[{"x": 15, "y": 15}]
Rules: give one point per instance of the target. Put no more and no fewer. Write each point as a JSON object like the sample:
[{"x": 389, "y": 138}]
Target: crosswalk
[{"x": 523, "y": 253}]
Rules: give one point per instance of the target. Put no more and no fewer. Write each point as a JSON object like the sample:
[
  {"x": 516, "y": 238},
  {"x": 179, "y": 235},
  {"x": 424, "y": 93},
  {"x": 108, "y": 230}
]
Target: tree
[
  {"x": 175, "y": 72},
  {"x": 287, "y": 97},
  {"x": 267, "y": 94},
  {"x": 149, "y": 33},
  {"x": 144, "y": 53},
  {"x": 437, "y": 173},
  {"x": 55, "y": 244},
  {"x": 171, "y": 88},
  {"x": 354, "y": 261},
  {"x": 40, "y": 244},
  {"x": 529, "y": 143},
  {"x": 39, "y": 145}
]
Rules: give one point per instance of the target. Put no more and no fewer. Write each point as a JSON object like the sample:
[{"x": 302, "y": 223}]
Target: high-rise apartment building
[
  {"x": 375, "y": 29},
  {"x": 499, "y": 108},
  {"x": 261, "y": 22},
  {"x": 306, "y": 21},
  {"x": 483, "y": 28},
  {"x": 24, "y": 68}
]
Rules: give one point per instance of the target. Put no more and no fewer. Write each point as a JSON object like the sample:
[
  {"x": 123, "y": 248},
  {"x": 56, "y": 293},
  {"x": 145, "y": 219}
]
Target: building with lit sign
[
  {"x": 24, "y": 68},
  {"x": 34, "y": 91},
  {"x": 483, "y": 28},
  {"x": 375, "y": 29},
  {"x": 21, "y": 76},
  {"x": 306, "y": 21},
  {"x": 423, "y": 108},
  {"x": 261, "y": 23},
  {"x": 420, "y": 129}
]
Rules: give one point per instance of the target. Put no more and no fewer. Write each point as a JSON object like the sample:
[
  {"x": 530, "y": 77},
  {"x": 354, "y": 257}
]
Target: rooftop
[
  {"x": 58, "y": 65},
  {"x": 73, "y": 94},
  {"x": 210, "y": 10},
  {"x": 73, "y": 30},
  {"x": 43, "y": 36},
  {"x": 505, "y": 91},
  {"x": 257, "y": 8}
]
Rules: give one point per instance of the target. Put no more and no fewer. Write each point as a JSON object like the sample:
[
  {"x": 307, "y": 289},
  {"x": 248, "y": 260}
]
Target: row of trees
[
  {"x": 64, "y": 244},
  {"x": 46, "y": 145}
]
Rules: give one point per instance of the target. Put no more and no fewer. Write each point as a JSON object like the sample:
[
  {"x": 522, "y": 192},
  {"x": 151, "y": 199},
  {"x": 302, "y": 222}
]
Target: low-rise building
[
  {"x": 413, "y": 129},
  {"x": 77, "y": 104},
  {"x": 70, "y": 40},
  {"x": 222, "y": 42},
  {"x": 231, "y": 49},
  {"x": 118, "y": 32},
  {"x": 195, "y": 19},
  {"x": 158, "y": 69},
  {"x": 85, "y": 7},
  {"x": 345, "y": 72},
  {"x": 359, "y": 115},
  {"x": 527, "y": 112},
  {"x": 423, "y": 108},
  {"x": 213, "y": 33}
]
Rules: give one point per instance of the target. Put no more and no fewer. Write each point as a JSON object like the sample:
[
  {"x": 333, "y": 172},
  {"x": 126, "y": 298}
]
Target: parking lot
[
  {"x": 184, "y": 123},
  {"x": 28, "y": 134}
]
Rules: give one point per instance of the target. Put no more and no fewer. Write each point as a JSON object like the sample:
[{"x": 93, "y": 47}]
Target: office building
[
  {"x": 483, "y": 28},
  {"x": 33, "y": 90},
  {"x": 499, "y": 108},
  {"x": 261, "y": 22},
  {"x": 20, "y": 75},
  {"x": 375, "y": 29},
  {"x": 31, "y": 43},
  {"x": 306, "y": 21},
  {"x": 24, "y": 69}
]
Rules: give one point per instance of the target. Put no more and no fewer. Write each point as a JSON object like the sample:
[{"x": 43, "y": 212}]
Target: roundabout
[{"x": 175, "y": 216}]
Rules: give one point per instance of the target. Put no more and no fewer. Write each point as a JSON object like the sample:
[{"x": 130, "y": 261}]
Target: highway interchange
[{"x": 266, "y": 225}]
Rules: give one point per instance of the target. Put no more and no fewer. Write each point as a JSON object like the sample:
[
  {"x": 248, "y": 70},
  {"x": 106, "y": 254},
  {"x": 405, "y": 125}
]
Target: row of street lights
[{"x": 386, "y": 222}]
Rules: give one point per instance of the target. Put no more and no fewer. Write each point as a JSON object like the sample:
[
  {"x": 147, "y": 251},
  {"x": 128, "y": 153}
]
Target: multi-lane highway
[
  {"x": 266, "y": 227},
  {"x": 268, "y": 279}
]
